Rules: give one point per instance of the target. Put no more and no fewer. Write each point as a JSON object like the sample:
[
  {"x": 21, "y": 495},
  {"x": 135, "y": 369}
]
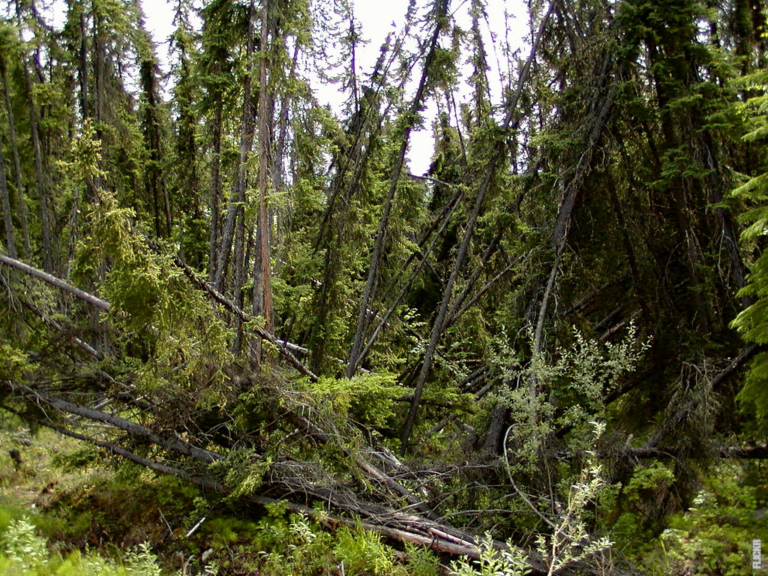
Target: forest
[{"x": 240, "y": 336}]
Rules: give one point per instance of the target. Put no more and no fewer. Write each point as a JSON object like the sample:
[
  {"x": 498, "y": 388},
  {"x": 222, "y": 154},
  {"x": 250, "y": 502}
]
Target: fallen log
[
  {"x": 136, "y": 430},
  {"x": 368, "y": 467},
  {"x": 284, "y": 348},
  {"x": 54, "y": 281},
  {"x": 394, "y": 524},
  {"x": 45, "y": 319}
]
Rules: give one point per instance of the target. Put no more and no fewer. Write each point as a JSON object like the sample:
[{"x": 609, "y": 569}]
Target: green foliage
[
  {"x": 15, "y": 362},
  {"x": 626, "y": 117},
  {"x": 368, "y": 399},
  {"x": 243, "y": 471},
  {"x": 294, "y": 545},
  {"x": 752, "y": 322},
  {"x": 421, "y": 561},
  {"x": 570, "y": 393},
  {"x": 493, "y": 562},
  {"x": 25, "y": 553},
  {"x": 715, "y": 535},
  {"x": 172, "y": 335},
  {"x": 362, "y": 551},
  {"x": 22, "y": 545},
  {"x": 83, "y": 166},
  {"x": 653, "y": 477},
  {"x": 570, "y": 540}
]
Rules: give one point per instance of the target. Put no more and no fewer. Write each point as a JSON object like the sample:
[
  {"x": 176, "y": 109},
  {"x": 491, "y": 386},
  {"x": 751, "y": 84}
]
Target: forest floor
[
  {"x": 79, "y": 504},
  {"x": 82, "y": 503}
]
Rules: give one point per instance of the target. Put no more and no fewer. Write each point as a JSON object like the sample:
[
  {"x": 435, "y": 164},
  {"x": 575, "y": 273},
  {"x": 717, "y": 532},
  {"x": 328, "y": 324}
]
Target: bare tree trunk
[
  {"x": 57, "y": 282},
  {"x": 213, "y": 249},
  {"x": 20, "y": 200},
  {"x": 155, "y": 177},
  {"x": 239, "y": 276},
  {"x": 86, "y": 113},
  {"x": 83, "y": 67},
  {"x": 262, "y": 285},
  {"x": 10, "y": 240},
  {"x": 39, "y": 174},
  {"x": 278, "y": 150}
]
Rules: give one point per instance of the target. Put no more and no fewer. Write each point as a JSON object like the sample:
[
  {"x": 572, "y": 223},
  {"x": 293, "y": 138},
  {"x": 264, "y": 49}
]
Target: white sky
[{"x": 378, "y": 18}]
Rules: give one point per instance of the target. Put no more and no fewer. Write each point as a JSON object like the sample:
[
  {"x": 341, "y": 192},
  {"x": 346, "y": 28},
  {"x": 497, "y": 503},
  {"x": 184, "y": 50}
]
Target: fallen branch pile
[{"x": 382, "y": 502}]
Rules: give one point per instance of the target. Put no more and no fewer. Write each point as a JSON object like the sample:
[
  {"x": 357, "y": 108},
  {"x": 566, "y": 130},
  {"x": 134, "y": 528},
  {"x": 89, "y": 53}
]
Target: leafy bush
[
  {"x": 25, "y": 553},
  {"x": 362, "y": 551},
  {"x": 715, "y": 535},
  {"x": 493, "y": 562}
]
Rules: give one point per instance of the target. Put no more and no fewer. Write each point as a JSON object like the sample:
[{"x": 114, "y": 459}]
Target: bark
[
  {"x": 262, "y": 303},
  {"x": 360, "y": 125},
  {"x": 365, "y": 464},
  {"x": 441, "y": 7},
  {"x": 155, "y": 179},
  {"x": 20, "y": 200},
  {"x": 239, "y": 275},
  {"x": 437, "y": 326},
  {"x": 279, "y": 149},
  {"x": 454, "y": 316},
  {"x": 83, "y": 67},
  {"x": 45, "y": 217},
  {"x": 170, "y": 442},
  {"x": 10, "y": 237},
  {"x": 57, "y": 282},
  {"x": 48, "y": 321},
  {"x": 213, "y": 249},
  {"x": 128, "y": 455},
  {"x": 575, "y": 180}
]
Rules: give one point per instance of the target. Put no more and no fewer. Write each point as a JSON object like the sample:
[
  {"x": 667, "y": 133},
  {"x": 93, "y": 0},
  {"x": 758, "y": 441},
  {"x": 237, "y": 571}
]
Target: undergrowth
[{"x": 60, "y": 515}]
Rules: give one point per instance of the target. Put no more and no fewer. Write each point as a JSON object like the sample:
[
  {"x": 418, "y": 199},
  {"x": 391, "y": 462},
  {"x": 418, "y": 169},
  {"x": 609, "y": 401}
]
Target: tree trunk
[
  {"x": 20, "y": 200},
  {"x": 437, "y": 326},
  {"x": 262, "y": 301},
  {"x": 237, "y": 197},
  {"x": 39, "y": 173},
  {"x": 213, "y": 249},
  {"x": 10, "y": 240},
  {"x": 155, "y": 179},
  {"x": 57, "y": 282}
]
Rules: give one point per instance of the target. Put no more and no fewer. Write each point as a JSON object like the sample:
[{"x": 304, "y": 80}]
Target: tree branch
[{"x": 54, "y": 281}]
